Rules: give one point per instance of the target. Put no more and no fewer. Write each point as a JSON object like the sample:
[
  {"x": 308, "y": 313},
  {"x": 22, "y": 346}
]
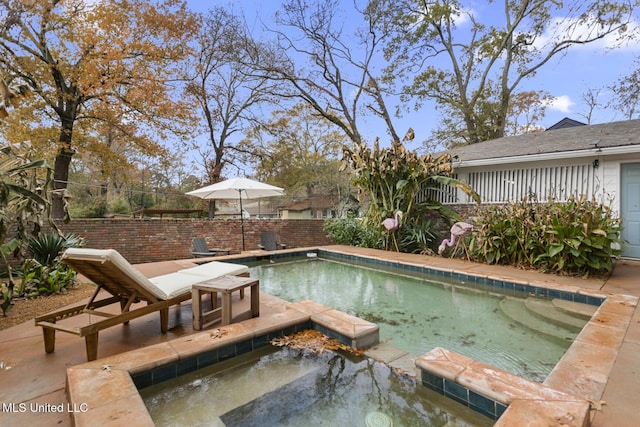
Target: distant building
[{"x": 318, "y": 207}]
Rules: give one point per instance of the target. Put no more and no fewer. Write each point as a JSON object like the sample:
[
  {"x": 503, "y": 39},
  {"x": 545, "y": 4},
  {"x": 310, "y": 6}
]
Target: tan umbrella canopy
[{"x": 237, "y": 189}]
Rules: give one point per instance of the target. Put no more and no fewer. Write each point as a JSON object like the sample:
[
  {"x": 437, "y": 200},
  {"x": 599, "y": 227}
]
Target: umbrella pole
[{"x": 241, "y": 219}]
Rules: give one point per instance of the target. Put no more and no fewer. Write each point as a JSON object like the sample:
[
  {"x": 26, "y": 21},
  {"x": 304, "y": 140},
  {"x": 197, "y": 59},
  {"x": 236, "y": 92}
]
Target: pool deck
[{"x": 29, "y": 375}]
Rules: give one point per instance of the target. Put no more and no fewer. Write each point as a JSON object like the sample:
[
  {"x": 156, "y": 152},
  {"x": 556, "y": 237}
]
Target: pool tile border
[
  {"x": 108, "y": 387},
  {"x": 508, "y": 287},
  {"x": 468, "y": 279},
  {"x": 493, "y": 392},
  {"x": 210, "y": 357}
]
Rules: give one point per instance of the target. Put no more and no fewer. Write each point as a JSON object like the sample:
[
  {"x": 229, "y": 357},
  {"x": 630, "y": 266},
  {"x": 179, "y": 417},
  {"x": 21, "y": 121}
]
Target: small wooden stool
[{"x": 225, "y": 285}]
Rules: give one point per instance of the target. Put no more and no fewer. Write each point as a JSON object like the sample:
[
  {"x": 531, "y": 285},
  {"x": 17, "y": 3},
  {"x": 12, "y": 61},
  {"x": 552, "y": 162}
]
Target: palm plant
[
  {"x": 393, "y": 177},
  {"x": 20, "y": 199},
  {"x": 21, "y": 203}
]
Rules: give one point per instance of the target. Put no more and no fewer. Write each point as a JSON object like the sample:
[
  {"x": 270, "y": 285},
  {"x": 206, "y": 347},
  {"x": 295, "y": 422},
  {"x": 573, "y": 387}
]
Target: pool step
[
  {"x": 516, "y": 310},
  {"x": 584, "y": 311},
  {"x": 275, "y": 406},
  {"x": 546, "y": 310},
  {"x": 249, "y": 382}
]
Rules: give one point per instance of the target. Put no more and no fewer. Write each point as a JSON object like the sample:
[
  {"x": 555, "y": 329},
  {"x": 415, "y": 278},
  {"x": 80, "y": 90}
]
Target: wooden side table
[{"x": 225, "y": 285}]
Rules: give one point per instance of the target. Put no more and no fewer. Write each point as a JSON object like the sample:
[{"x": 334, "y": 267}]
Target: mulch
[{"x": 23, "y": 310}]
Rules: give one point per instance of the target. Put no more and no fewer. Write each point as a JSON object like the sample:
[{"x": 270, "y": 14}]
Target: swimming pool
[
  {"x": 580, "y": 372},
  {"x": 289, "y": 387},
  {"x": 417, "y": 313}
]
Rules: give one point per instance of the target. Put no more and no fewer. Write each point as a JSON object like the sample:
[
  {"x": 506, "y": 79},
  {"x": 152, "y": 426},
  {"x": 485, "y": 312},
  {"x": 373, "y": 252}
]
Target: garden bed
[{"x": 23, "y": 310}]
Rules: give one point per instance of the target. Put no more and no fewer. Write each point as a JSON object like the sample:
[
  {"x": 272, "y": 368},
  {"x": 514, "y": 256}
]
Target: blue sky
[{"x": 566, "y": 78}]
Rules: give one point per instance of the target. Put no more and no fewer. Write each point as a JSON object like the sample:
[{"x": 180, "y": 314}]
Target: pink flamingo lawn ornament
[
  {"x": 392, "y": 224},
  {"x": 458, "y": 229}
]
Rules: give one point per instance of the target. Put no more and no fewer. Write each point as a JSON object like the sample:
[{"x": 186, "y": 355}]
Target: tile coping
[
  {"x": 573, "y": 386},
  {"x": 105, "y": 391}
]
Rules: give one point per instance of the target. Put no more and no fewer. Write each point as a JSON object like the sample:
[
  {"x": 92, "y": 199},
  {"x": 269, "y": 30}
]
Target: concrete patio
[{"x": 31, "y": 376}]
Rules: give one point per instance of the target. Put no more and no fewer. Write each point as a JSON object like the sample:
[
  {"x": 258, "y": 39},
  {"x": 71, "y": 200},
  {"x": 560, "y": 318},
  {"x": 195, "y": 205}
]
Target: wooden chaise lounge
[{"x": 126, "y": 286}]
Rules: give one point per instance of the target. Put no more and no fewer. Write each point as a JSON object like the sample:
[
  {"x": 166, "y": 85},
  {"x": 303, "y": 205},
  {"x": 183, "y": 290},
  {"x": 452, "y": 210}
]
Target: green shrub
[
  {"x": 417, "y": 236},
  {"x": 90, "y": 209},
  {"x": 38, "y": 279},
  {"x": 353, "y": 231},
  {"x": 507, "y": 234},
  {"x": 414, "y": 236},
  {"x": 576, "y": 237},
  {"x": 43, "y": 273}
]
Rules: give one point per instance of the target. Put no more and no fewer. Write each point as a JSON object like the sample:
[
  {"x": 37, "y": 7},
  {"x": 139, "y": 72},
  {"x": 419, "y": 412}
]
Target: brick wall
[{"x": 153, "y": 239}]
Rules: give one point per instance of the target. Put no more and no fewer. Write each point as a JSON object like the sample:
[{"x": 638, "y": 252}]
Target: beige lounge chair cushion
[
  {"x": 162, "y": 287},
  {"x": 174, "y": 284}
]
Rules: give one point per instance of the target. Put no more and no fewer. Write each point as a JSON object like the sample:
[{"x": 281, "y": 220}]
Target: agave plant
[
  {"x": 46, "y": 247},
  {"x": 44, "y": 273}
]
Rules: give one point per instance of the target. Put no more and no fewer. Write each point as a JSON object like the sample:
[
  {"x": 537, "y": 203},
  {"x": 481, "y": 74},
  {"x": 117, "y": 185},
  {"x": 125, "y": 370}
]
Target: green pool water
[{"x": 416, "y": 315}]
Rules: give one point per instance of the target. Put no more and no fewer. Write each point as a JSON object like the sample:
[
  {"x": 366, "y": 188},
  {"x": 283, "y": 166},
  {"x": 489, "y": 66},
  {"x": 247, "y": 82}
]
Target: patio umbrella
[{"x": 240, "y": 189}]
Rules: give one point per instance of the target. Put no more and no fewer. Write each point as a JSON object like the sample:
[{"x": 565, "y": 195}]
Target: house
[
  {"x": 568, "y": 159},
  {"x": 262, "y": 208},
  {"x": 318, "y": 207}
]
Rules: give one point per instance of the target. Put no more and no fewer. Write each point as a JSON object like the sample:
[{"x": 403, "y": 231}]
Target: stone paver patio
[{"x": 29, "y": 376}]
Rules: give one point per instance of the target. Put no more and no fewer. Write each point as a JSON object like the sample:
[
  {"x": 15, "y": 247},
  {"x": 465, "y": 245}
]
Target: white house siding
[
  {"x": 514, "y": 182},
  {"x": 612, "y": 178},
  {"x": 610, "y": 194}
]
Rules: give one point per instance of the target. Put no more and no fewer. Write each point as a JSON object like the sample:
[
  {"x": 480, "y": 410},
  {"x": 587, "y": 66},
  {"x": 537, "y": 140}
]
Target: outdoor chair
[
  {"x": 126, "y": 286},
  {"x": 268, "y": 242},
  {"x": 200, "y": 249}
]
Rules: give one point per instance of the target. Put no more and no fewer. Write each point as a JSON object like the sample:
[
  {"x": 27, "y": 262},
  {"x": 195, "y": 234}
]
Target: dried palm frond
[{"x": 313, "y": 341}]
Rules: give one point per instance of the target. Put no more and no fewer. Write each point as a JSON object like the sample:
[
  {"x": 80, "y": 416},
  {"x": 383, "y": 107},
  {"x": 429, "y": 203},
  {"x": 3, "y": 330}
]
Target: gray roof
[
  {"x": 566, "y": 123},
  {"x": 575, "y": 138}
]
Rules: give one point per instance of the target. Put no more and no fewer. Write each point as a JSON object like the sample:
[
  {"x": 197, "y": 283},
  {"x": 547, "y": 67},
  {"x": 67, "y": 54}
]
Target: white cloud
[
  {"x": 561, "y": 103},
  {"x": 464, "y": 16},
  {"x": 571, "y": 28}
]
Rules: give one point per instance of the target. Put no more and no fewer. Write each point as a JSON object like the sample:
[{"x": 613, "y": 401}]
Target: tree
[
  {"x": 328, "y": 68},
  {"x": 106, "y": 63},
  {"x": 591, "y": 98},
  {"x": 223, "y": 88},
  {"x": 299, "y": 150},
  {"x": 10, "y": 96},
  {"x": 627, "y": 94},
  {"x": 485, "y": 62},
  {"x": 526, "y": 109}
]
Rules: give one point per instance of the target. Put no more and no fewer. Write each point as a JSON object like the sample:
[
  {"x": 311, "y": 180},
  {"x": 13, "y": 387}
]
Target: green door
[{"x": 630, "y": 208}]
